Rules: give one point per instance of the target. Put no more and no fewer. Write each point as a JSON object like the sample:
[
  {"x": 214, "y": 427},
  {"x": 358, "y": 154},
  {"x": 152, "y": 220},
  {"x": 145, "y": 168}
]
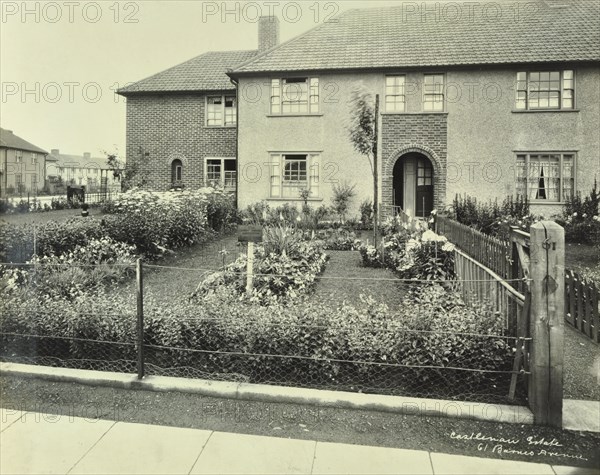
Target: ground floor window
[
  {"x": 291, "y": 173},
  {"x": 545, "y": 176},
  {"x": 221, "y": 172}
]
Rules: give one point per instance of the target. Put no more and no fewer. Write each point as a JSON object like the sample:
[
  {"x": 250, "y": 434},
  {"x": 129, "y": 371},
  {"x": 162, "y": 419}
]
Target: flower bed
[
  {"x": 413, "y": 252},
  {"x": 285, "y": 267}
]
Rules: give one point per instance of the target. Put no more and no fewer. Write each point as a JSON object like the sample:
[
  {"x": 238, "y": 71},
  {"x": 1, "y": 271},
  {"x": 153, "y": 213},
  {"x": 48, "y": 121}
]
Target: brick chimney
[
  {"x": 55, "y": 151},
  {"x": 87, "y": 155},
  {"x": 268, "y": 33}
]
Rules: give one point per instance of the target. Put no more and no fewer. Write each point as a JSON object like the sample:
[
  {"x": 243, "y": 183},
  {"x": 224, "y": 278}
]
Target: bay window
[{"x": 545, "y": 176}]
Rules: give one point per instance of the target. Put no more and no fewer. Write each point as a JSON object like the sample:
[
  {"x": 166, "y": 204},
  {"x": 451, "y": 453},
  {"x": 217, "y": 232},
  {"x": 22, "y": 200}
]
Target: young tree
[
  {"x": 363, "y": 132},
  {"x": 130, "y": 174}
]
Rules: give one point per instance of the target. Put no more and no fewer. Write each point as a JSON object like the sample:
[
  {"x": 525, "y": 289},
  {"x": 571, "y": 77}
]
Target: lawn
[
  {"x": 581, "y": 256},
  {"x": 45, "y": 216},
  {"x": 346, "y": 279}
]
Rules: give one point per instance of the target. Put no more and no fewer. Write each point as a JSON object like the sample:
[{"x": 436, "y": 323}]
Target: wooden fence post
[
  {"x": 250, "y": 268},
  {"x": 547, "y": 273},
  {"x": 140, "y": 318}
]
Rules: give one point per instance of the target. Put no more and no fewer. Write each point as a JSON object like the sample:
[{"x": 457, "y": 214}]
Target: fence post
[
  {"x": 547, "y": 272},
  {"x": 140, "y": 318},
  {"x": 250, "y": 267}
]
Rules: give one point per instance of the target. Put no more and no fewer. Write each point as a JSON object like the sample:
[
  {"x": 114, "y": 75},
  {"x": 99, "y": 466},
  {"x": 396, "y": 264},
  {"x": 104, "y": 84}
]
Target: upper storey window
[
  {"x": 298, "y": 95},
  {"x": 543, "y": 90}
]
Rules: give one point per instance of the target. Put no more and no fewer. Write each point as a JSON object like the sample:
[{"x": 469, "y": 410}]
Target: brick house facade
[
  {"x": 182, "y": 123},
  {"x": 22, "y": 166}
]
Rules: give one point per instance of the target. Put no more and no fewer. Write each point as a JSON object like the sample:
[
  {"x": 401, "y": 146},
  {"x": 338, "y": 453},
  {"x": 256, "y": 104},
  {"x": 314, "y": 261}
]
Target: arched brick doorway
[{"x": 413, "y": 184}]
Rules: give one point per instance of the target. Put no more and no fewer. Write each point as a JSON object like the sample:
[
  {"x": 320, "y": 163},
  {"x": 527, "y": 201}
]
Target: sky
[{"x": 61, "y": 61}]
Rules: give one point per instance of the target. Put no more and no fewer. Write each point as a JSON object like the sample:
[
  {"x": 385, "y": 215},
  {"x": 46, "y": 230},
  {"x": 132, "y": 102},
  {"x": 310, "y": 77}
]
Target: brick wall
[
  {"x": 162, "y": 128},
  {"x": 405, "y": 133}
]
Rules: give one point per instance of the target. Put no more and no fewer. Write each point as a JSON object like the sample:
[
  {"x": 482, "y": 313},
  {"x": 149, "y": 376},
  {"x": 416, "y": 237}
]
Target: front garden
[{"x": 73, "y": 304}]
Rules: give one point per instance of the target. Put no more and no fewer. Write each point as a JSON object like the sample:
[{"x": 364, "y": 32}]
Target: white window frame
[
  {"x": 227, "y": 179},
  {"x": 296, "y": 101},
  {"x": 34, "y": 158},
  {"x": 436, "y": 92},
  {"x": 223, "y": 116},
  {"x": 397, "y": 91},
  {"x": 527, "y": 182},
  {"x": 288, "y": 189},
  {"x": 566, "y": 91},
  {"x": 18, "y": 156}
]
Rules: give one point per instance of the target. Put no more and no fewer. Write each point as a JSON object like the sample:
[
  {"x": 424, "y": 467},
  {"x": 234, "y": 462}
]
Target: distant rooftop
[{"x": 9, "y": 140}]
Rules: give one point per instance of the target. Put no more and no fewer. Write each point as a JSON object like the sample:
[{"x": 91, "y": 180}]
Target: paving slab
[
  {"x": 445, "y": 464},
  {"x": 8, "y": 417},
  {"x": 227, "y": 453},
  {"x": 331, "y": 458},
  {"x": 581, "y": 415},
  {"x": 141, "y": 448},
  {"x": 564, "y": 470},
  {"x": 44, "y": 443}
]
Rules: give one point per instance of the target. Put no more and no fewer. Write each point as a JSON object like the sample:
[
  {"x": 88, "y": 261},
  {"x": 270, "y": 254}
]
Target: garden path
[{"x": 345, "y": 279}]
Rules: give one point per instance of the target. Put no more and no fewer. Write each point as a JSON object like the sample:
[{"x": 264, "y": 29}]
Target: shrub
[
  {"x": 492, "y": 218},
  {"x": 83, "y": 269},
  {"x": 581, "y": 218},
  {"x": 366, "y": 213},
  {"x": 53, "y": 237},
  {"x": 158, "y": 222},
  {"x": 340, "y": 240},
  {"x": 433, "y": 328},
  {"x": 342, "y": 195}
]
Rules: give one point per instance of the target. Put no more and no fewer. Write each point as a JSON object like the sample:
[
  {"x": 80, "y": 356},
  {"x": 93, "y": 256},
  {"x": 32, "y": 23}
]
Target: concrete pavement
[{"x": 43, "y": 443}]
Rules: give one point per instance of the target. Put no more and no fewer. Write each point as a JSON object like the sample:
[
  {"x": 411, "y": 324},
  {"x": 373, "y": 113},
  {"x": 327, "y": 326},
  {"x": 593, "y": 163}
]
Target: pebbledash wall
[
  {"x": 165, "y": 127},
  {"x": 472, "y": 144}
]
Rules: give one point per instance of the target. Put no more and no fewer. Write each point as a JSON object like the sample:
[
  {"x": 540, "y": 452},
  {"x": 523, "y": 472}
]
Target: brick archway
[
  {"x": 439, "y": 182},
  {"x": 176, "y": 156}
]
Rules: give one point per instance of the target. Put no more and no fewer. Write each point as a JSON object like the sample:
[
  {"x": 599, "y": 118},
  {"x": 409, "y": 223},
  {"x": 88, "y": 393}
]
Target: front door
[{"x": 424, "y": 189}]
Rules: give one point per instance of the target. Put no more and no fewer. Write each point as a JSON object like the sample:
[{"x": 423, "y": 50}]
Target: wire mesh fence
[{"x": 425, "y": 343}]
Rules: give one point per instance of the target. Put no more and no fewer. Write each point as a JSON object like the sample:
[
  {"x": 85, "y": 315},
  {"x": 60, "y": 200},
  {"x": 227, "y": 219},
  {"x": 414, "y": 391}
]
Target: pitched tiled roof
[
  {"x": 202, "y": 73},
  {"x": 393, "y": 37},
  {"x": 10, "y": 140}
]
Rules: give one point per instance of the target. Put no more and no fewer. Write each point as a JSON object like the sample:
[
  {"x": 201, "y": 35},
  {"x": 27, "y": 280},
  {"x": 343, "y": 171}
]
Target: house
[
  {"x": 489, "y": 99},
  {"x": 22, "y": 166},
  {"x": 182, "y": 122},
  {"x": 80, "y": 170}
]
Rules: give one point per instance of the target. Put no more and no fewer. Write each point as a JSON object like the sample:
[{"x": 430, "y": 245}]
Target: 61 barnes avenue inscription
[{"x": 501, "y": 445}]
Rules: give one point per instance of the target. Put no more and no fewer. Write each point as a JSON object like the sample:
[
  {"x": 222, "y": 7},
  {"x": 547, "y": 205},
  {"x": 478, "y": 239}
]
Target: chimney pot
[{"x": 268, "y": 33}]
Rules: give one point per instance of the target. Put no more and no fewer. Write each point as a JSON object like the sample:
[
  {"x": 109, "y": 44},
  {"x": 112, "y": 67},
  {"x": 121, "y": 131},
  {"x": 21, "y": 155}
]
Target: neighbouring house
[
  {"x": 182, "y": 122},
  {"x": 491, "y": 100},
  {"x": 22, "y": 166},
  {"x": 93, "y": 173}
]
